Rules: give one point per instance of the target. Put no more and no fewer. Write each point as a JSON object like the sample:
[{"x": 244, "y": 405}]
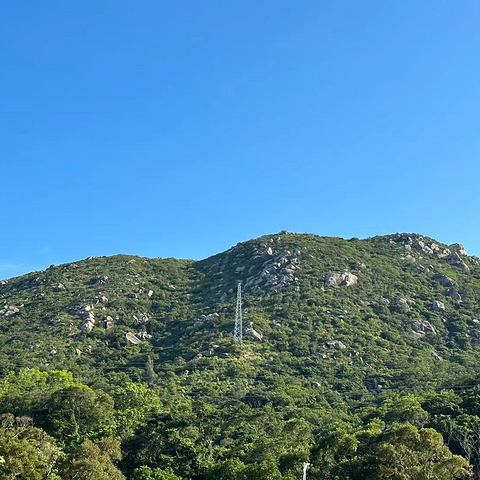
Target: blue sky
[{"x": 180, "y": 128}]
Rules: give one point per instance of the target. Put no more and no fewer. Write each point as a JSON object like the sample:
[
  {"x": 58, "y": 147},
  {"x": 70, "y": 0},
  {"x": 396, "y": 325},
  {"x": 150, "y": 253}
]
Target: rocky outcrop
[
  {"x": 57, "y": 287},
  {"x": 444, "y": 280},
  {"x": 402, "y": 304},
  {"x": 458, "y": 248},
  {"x": 252, "y": 333},
  {"x": 421, "y": 244},
  {"x": 455, "y": 295},
  {"x": 438, "y": 306},
  {"x": 9, "y": 311},
  {"x": 423, "y": 327},
  {"x": 340, "y": 279},
  {"x": 339, "y": 345},
  {"x": 204, "y": 319},
  {"x": 458, "y": 262},
  {"x": 132, "y": 339}
]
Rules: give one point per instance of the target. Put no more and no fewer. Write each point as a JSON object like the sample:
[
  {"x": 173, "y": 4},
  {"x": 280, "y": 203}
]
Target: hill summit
[{"x": 335, "y": 329}]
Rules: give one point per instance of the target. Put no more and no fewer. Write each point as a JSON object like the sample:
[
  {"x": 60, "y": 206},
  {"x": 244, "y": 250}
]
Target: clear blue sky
[{"x": 179, "y": 128}]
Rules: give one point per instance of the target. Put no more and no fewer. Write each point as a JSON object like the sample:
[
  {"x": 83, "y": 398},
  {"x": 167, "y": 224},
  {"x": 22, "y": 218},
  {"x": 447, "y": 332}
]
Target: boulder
[
  {"x": 87, "y": 326},
  {"x": 423, "y": 327},
  {"x": 9, "y": 311},
  {"x": 132, "y": 339},
  {"x": 454, "y": 294},
  {"x": 252, "y": 333},
  {"x": 458, "y": 248},
  {"x": 438, "y": 306},
  {"x": 444, "y": 280},
  {"x": 57, "y": 287},
  {"x": 341, "y": 279},
  {"x": 457, "y": 261},
  {"x": 402, "y": 304},
  {"x": 339, "y": 345}
]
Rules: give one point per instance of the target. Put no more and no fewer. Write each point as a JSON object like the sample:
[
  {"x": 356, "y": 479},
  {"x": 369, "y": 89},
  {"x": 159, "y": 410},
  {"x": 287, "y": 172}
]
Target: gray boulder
[
  {"x": 340, "y": 279},
  {"x": 438, "y": 306},
  {"x": 444, "y": 280}
]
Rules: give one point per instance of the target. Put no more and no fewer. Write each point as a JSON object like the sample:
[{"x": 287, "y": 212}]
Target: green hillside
[{"x": 352, "y": 349}]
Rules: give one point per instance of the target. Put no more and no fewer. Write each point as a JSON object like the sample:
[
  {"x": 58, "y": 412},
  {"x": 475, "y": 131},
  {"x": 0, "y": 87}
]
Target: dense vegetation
[{"x": 125, "y": 367}]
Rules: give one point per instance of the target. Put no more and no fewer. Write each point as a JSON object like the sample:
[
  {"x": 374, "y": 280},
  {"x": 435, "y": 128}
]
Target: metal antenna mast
[{"x": 238, "y": 331}]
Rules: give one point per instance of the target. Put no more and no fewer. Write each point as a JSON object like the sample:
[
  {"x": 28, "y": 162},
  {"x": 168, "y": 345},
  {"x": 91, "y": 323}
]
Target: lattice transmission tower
[{"x": 238, "y": 331}]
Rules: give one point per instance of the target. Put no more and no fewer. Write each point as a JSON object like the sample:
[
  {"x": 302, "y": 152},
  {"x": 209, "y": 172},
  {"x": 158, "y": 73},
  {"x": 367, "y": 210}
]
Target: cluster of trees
[{"x": 54, "y": 427}]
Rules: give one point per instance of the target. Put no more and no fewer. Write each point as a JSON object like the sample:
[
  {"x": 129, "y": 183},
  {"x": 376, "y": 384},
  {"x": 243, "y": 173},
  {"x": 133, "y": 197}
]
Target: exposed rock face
[
  {"x": 144, "y": 336},
  {"x": 402, "y": 304},
  {"x": 251, "y": 332},
  {"x": 455, "y": 295},
  {"x": 457, "y": 261},
  {"x": 438, "y": 306},
  {"x": 444, "y": 280},
  {"x": 340, "y": 279},
  {"x": 204, "y": 319},
  {"x": 109, "y": 322},
  {"x": 57, "y": 287},
  {"x": 9, "y": 311},
  {"x": 132, "y": 339},
  {"x": 421, "y": 244},
  {"x": 87, "y": 326},
  {"x": 339, "y": 345},
  {"x": 458, "y": 248},
  {"x": 423, "y": 327},
  {"x": 436, "y": 356}
]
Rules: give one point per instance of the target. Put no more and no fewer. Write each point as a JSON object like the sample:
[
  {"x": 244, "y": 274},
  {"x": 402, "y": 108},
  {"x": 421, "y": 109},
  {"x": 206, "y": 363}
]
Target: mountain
[{"x": 334, "y": 330}]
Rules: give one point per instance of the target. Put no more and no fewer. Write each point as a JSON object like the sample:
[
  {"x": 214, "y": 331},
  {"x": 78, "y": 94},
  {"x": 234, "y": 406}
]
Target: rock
[
  {"x": 457, "y": 261},
  {"x": 102, "y": 279},
  {"x": 78, "y": 351},
  {"x": 340, "y": 279},
  {"x": 458, "y": 248},
  {"x": 455, "y": 295},
  {"x": 132, "y": 339},
  {"x": 3, "y": 282},
  {"x": 109, "y": 323},
  {"x": 365, "y": 303},
  {"x": 417, "y": 335},
  {"x": 438, "y": 306},
  {"x": 57, "y": 287},
  {"x": 336, "y": 344},
  {"x": 9, "y": 311},
  {"x": 87, "y": 326},
  {"x": 436, "y": 356},
  {"x": 204, "y": 319},
  {"x": 384, "y": 301},
  {"x": 402, "y": 304},
  {"x": 423, "y": 327},
  {"x": 251, "y": 332},
  {"x": 150, "y": 293},
  {"x": 444, "y": 280},
  {"x": 144, "y": 336},
  {"x": 420, "y": 245}
]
